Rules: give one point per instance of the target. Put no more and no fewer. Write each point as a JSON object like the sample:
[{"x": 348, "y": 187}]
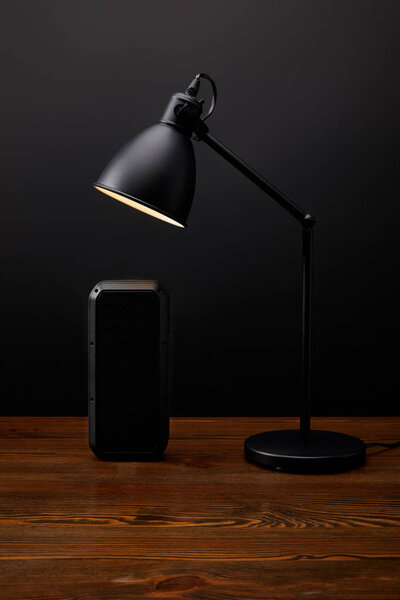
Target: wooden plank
[
  {"x": 122, "y": 579},
  {"x": 203, "y": 523}
]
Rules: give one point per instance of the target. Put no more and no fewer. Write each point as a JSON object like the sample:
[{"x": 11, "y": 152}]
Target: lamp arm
[
  {"x": 305, "y": 401},
  {"x": 260, "y": 181},
  {"x": 307, "y": 220}
]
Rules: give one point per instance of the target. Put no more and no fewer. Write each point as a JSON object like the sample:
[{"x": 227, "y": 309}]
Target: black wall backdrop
[{"x": 308, "y": 94}]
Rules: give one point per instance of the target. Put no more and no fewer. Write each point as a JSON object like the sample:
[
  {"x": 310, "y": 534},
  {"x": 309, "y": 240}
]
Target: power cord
[{"x": 374, "y": 444}]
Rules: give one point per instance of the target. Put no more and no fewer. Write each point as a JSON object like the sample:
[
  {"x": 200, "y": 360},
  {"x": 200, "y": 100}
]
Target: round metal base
[{"x": 324, "y": 452}]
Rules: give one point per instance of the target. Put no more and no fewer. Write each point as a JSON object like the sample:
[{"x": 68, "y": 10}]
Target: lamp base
[{"x": 324, "y": 452}]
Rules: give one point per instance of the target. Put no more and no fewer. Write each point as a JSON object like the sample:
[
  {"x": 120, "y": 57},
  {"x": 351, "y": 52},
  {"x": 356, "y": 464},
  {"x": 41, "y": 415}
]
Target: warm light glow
[{"x": 138, "y": 206}]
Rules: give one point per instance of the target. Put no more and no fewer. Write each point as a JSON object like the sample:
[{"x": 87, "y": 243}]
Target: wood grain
[{"x": 202, "y": 523}]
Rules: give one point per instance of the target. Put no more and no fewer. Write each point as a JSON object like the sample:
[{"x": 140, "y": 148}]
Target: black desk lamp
[{"x": 155, "y": 173}]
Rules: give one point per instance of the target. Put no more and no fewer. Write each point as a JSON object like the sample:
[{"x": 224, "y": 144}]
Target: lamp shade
[{"x": 154, "y": 172}]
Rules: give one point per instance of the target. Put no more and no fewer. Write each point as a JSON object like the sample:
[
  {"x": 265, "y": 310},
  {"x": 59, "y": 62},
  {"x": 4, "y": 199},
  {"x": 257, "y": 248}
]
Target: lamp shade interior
[{"x": 138, "y": 205}]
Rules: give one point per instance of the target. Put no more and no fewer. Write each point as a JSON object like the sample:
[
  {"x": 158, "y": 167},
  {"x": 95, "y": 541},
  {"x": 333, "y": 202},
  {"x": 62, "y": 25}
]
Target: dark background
[{"x": 308, "y": 94}]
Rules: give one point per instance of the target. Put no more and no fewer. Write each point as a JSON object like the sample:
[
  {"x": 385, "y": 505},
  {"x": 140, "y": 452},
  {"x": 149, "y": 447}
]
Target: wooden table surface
[{"x": 202, "y": 524}]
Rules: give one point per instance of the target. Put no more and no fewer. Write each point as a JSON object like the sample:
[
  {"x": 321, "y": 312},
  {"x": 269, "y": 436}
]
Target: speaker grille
[{"x": 127, "y": 370}]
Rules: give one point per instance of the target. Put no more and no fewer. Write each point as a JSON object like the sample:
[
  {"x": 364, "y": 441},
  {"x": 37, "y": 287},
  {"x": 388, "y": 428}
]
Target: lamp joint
[
  {"x": 200, "y": 130},
  {"x": 309, "y": 221}
]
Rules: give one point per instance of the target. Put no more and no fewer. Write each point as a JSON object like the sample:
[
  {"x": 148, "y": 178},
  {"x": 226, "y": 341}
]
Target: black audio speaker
[{"x": 128, "y": 370}]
